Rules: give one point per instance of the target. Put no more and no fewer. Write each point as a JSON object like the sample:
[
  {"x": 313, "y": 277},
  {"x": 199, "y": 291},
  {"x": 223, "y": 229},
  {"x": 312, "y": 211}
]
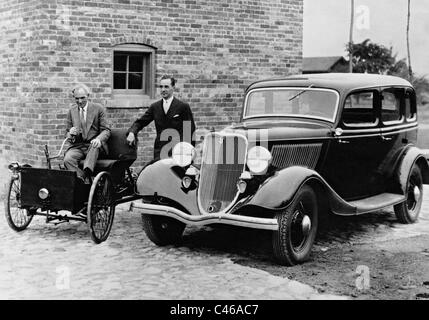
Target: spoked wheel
[
  {"x": 409, "y": 210},
  {"x": 17, "y": 217},
  {"x": 293, "y": 241},
  {"x": 162, "y": 230},
  {"x": 101, "y": 210}
]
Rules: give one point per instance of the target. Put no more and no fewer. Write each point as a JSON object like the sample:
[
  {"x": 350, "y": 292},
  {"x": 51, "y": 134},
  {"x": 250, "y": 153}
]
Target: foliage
[
  {"x": 421, "y": 85},
  {"x": 369, "y": 57}
]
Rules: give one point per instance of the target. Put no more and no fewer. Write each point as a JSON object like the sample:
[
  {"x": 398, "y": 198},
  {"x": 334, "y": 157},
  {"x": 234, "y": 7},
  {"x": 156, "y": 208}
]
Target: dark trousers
[{"x": 79, "y": 152}]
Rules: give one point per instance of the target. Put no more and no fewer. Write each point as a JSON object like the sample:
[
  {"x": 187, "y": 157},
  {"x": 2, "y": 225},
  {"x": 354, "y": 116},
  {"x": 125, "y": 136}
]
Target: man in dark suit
[
  {"x": 173, "y": 118},
  {"x": 88, "y": 132}
]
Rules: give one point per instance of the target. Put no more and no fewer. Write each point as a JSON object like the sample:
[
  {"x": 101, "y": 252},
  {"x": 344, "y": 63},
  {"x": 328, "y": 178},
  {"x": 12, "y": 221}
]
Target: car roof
[{"x": 342, "y": 82}]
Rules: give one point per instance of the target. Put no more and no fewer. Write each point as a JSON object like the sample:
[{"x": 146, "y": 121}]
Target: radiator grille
[{"x": 222, "y": 163}]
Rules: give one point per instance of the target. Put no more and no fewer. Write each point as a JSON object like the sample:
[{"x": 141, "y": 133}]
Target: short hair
[
  {"x": 172, "y": 80},
  {"x": 81, "y": 86}
]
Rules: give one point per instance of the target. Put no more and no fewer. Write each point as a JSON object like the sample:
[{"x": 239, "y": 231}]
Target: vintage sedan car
[{"x": 305, "y": 145}]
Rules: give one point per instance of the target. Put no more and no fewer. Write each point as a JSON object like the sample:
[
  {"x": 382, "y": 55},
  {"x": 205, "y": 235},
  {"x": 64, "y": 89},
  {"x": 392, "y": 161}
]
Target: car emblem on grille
[{"x": 221, "y": 139}]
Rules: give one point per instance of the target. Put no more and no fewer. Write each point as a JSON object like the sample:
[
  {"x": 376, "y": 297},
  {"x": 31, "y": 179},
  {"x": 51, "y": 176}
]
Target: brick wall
[{"x": 214, "y": 48}]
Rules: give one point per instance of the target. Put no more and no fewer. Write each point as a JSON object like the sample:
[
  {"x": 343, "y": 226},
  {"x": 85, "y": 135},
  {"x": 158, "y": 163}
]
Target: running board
[{"x": 377, "y": 202}]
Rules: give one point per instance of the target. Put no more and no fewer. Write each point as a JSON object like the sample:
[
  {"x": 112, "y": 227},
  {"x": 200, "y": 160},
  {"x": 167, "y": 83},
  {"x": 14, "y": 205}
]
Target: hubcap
[
  {"x": 306, "y": 225},
  {"x": 416, "y": 193}
]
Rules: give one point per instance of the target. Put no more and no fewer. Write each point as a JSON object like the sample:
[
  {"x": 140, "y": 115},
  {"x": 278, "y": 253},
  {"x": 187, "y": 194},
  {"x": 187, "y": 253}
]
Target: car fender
[
  {"x": 411, "y": 156},
  {"x": 163, "y": 180},
  {"x": 278, "y": 191}
]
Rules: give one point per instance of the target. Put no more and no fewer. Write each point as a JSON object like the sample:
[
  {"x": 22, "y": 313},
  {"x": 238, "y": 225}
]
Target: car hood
[{"x": 281, "y": 129}]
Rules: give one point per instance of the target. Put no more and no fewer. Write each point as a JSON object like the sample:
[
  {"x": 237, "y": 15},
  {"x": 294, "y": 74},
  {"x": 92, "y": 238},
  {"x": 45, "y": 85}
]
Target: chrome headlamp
[
  {"x": 183, "y": 154},
  {"x": 14, "y": 166},
  {"x": 43, "y": 193},
  {"x": 190, "y": 176},
  {"x": 258, "y": 160},
  {"x": 245, "y": 177}
]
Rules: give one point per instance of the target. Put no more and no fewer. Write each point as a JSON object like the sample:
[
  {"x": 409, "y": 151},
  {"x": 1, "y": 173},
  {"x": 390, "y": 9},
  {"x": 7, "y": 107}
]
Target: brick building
[{"x": 120, "y": 48}]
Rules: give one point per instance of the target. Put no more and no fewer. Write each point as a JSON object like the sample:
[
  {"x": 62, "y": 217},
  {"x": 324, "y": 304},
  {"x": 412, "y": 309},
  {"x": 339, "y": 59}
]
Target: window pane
[
  {"x": 359, "y": 110},
  {"x": 292, "y": 102},
  {"x": 391, "y": 104},
  {"x": 120, "y": 62},
  {"x": 135, "y": 81},
  {"x": 136, "y": 63},
  {"x": 119, "y": 80},
  {"x": 409, "y": 110},
  {"x": 132, "y": 70}
]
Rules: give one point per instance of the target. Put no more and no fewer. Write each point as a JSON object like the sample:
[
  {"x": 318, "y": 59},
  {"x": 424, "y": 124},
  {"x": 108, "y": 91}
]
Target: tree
[{"x": 368, "y": 57}]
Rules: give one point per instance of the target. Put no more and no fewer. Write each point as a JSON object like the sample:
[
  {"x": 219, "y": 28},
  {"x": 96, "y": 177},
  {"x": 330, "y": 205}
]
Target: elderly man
[{"x": 88, "y": 132}]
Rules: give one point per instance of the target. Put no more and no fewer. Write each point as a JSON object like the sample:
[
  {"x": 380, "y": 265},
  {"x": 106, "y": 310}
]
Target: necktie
[
  {"x": 82, "y": 120},
  {"x": 165, "y": 106}
]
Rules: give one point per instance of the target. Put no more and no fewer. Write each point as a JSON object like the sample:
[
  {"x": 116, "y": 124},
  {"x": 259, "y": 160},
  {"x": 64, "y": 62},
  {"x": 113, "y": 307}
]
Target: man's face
[
  {"x": 166, "y": 88},
  {"x": 81, "y": 97}
]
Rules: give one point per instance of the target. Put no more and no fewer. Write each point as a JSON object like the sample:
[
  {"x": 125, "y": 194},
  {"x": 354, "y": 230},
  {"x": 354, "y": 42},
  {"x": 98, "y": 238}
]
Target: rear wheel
[
  {"x": 409, "y": 210},
  {"x": 293, "y": 241},
  {"x": 18, "y": 218},
  {"x": 101, "y": 208},
  {"x": 162, "y": 230}
]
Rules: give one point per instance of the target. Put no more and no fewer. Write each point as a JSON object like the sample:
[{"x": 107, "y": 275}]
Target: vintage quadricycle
[{"x": 47, "y": 191}]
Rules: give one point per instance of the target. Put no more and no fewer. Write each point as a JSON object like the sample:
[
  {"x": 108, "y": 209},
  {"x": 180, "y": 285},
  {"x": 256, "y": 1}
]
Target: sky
[{"x": 327, "y": 28}]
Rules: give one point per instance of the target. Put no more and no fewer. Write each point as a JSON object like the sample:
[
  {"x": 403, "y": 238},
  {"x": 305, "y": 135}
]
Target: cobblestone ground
[{"x": 48, "y": 261}]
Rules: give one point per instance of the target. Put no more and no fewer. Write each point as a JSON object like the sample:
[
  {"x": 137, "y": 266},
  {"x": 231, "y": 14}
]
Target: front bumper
[{"x": 216, "y": 218}]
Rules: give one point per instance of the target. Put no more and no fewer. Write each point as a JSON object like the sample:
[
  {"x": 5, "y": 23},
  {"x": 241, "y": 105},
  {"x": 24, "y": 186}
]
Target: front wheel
[
  {"x": 101, "y": 208},
  {"x": 162, "y": 230},
  {"x": 18, "y": 218},
  {"x": 409, "y": 210},
  {"x": 293, "y": 241}
]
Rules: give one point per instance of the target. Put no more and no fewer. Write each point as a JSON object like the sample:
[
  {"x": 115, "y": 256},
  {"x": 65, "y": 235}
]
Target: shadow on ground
[{"x": 246, "y": 244}]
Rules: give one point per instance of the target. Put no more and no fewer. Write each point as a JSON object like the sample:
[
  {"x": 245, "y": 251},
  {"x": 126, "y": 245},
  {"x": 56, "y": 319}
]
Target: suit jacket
[
  {"x": 179, "y": 117},
  {"x": 96, "y": 124}
]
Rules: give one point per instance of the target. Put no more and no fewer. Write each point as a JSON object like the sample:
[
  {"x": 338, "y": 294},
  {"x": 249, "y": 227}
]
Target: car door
[
  {"x": 397, "y": 128},
  {"x": 354, "y": 155}
]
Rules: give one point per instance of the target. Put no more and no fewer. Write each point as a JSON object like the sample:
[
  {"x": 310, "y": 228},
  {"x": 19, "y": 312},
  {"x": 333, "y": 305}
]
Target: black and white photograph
[{"x": 214, "y": 155}]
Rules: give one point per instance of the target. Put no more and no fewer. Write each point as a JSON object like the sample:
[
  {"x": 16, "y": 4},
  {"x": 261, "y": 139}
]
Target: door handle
[
  {"x": 343, "y": 141},
  {"x": 386, "y": 138}
]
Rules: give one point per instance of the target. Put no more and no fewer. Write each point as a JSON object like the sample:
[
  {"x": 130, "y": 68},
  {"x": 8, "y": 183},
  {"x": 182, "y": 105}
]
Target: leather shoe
[
  {"x": 88, "y": 176},
  {"x": 85, "y": 180}
]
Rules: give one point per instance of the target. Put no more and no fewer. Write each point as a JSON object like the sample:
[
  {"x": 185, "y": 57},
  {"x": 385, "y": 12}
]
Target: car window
[
  {"x": 410, "y": 106},
  {"x": 391, "y": 105},
  {"x": 359, "y": 109},
  {"x": 296, "y": 102}
]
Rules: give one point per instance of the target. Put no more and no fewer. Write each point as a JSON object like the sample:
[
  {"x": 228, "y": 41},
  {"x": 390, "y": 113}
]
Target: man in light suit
[
  {"x": 173, "y": 118},
  {"x": 88, "y": 132}
]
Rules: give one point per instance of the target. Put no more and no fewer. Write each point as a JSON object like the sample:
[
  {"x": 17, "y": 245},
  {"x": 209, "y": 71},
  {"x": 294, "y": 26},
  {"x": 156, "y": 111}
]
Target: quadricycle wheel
[
  {"x": 17, "y": 217},
  {"x": 101, "y": 207}
]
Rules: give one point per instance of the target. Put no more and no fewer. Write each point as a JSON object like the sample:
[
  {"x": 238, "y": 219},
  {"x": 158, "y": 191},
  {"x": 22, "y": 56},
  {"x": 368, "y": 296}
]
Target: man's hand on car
[{"x": 131, "y": 139}]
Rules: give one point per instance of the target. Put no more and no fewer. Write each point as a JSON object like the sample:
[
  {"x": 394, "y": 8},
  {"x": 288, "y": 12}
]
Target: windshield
[{"x": 295, "y": 102}]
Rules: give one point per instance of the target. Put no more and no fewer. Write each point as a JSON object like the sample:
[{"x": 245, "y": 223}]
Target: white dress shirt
[{"x": 166, "y": 104}]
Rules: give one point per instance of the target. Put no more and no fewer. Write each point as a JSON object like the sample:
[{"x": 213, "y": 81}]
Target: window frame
[
  {"x": 413, "y": 105},
  {"x": 401, "y": 105},
  {"x": 375, "y": 110},
  {"x": 285, "y": 115},
  {"x": 138, "y": 48}
]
